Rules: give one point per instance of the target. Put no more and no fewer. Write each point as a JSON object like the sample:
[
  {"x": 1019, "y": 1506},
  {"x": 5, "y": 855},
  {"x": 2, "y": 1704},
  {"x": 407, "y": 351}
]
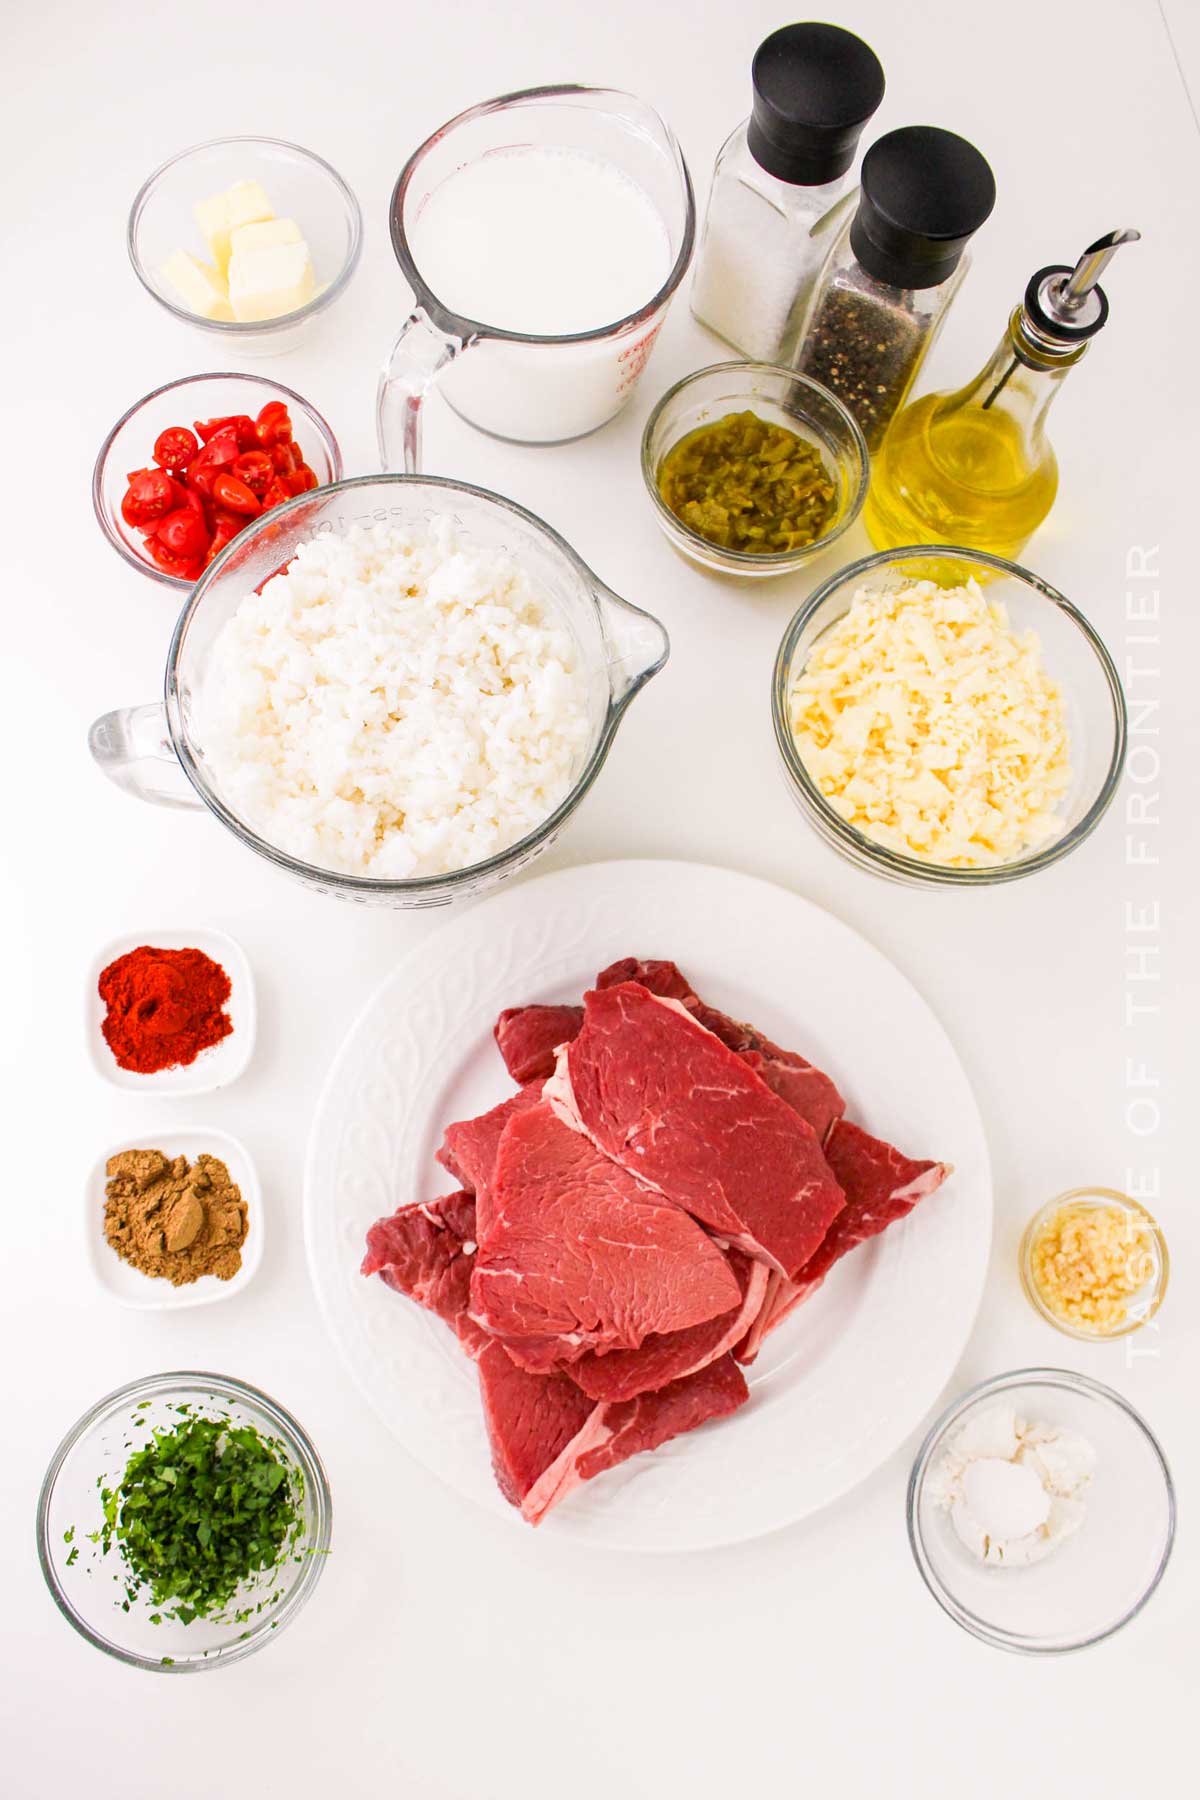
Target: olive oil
[
  {"x": 951, "y": 473},
  {"x": 975, "y": 468}
]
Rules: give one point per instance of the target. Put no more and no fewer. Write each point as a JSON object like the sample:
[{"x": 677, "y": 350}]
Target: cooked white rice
[{"x": 396, "y": 704}]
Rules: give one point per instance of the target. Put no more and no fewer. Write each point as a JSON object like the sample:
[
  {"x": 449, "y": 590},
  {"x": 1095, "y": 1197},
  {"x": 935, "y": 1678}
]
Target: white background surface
[{"x": 443, "y": 1656}]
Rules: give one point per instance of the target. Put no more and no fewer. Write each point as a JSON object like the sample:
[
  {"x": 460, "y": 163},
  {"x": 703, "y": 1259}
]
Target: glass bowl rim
[
  {"x": 777, "y": 562},
  {"x": 316, "y": 419},
  {"x": 248, "y": 327},
  {"x": 453, "y": 879},
  {"x": 999, "y": 1384},
  {"x": 891, "y": 862},
  {"x": 1101, "y": 1196},
  {"x": 316, "y": 1481}
]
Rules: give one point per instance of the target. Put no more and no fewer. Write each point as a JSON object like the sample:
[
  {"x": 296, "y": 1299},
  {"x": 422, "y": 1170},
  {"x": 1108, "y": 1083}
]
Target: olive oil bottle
[{"x": 975, "y": 467}]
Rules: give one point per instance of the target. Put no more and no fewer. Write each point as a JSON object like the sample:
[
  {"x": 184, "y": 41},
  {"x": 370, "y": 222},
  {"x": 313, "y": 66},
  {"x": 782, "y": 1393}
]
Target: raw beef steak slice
[
  {"x": 805, "y": 1088},
  {"x": 528, "y": 1037},
  {"x": 881, "y": 1185},
  {"x": 615, "y": 1432},
  {"x": 659, "y": 1094},
  {"x": 530, "y": 1420},
  {"x": 580, "y": 1256},
  {"x": 427, "y": 1252},
  {"x": 623, "y": 1374},
  {"x": 782, "y": 1298},
  {"x": 469, "y": 1148}
]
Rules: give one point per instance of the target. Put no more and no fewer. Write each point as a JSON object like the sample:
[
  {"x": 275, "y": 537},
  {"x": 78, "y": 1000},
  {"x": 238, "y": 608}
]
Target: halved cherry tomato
[
  {"x": 286, "y": 457},
  {"x": 150, "y": 494},
  {"x": 184, "y": 532},
  {"x": 228, "y": 491},
  {"x": 183, "y": 568},
  {"x": 241, "y": 424},
  {"x": 226, "y": 525},
  {"x": 274, "y": 423},
  {"x": 256, "y": 469},
  {"x": 276, "y": 494},
  {"x": 220, "y": 452},
  {"x": 175, "y": 448}
]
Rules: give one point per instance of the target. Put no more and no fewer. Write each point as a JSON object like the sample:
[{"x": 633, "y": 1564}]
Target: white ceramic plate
[
  {"x": 842, "y": 1383},
  {"x": 215, "y": 1067},
  {"x": 149, "y": 1293}
]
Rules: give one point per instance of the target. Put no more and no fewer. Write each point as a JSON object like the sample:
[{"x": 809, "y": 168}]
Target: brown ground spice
[{"x": 174, "y": 1219}]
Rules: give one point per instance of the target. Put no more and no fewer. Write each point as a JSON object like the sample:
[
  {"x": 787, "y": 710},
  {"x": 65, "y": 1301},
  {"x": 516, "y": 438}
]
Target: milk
[{"x": 544, "y": 241}]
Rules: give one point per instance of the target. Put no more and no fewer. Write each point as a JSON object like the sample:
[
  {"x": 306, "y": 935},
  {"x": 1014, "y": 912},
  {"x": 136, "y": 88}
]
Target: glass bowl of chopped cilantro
[
  {"x": 183, "y": 1522},
  {"x": 753, "y": 470}
]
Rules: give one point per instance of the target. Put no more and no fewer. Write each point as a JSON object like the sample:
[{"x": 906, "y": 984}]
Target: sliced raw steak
[
  {"x": 881, "y": 1185},
  {"x": 427, "y": 1252},
  {"x": 528, "y": 1037},
  {"x": 580, "y": 1256},
  {"x": 782, "y": 1298},
  {"x": 469, "y": 1148},
  {"x": 614, "y": 1432},
  {"x": 530, "y": 1420},
  {"x": 805, "y": 1088},
  {"x": 659, "y": 1094},
  {"x": 623, "y": 1374}
]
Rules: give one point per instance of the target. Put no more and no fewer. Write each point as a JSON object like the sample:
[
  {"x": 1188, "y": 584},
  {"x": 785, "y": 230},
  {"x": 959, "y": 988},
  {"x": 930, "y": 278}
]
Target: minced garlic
[
  {"x": 931, "y": 726},
  {"x": 1087, "y": 1260}
]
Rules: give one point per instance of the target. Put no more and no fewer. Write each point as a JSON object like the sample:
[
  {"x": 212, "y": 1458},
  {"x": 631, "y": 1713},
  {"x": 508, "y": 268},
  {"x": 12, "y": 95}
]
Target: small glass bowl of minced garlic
[
  {"x": 1094, "y": 1263},
  {"x": 753, "y": 470}
]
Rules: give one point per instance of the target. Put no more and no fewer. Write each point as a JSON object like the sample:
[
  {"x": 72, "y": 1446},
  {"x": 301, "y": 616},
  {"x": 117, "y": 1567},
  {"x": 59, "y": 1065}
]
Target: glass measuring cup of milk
[{"x": 543, "y": 235}]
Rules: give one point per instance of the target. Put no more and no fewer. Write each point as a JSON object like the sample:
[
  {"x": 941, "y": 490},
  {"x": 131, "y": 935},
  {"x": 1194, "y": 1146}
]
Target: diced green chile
[{"x": 748, "y": 485}]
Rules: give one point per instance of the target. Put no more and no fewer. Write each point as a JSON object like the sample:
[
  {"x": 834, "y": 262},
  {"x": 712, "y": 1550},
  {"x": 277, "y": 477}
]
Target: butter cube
[
  {"x": 264, "y": 234},
  {"x": 265, "y": 283},
  {"x": 245, "y": 203},
  {"x": 202, "y": 288}
]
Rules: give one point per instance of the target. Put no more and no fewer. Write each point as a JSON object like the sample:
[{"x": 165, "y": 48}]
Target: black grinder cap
[
  {"x": 925, "y": 192},
  {"x": 815, "y": 87}
]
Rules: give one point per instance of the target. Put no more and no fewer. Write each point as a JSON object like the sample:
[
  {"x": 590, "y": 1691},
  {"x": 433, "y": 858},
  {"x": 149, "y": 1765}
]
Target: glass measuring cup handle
[
  {"x": 418, "y": 357},
  {"x": 133, "y": 748}
]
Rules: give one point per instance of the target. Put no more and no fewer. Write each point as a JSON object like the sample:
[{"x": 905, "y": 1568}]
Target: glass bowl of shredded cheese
[
  {"x": 945, "y": 717},
  {"x": 1094, "y": 1263}
]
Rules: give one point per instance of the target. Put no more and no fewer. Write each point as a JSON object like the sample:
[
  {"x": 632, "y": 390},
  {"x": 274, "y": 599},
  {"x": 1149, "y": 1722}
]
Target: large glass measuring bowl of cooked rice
[{"x": 396, "y": 689}]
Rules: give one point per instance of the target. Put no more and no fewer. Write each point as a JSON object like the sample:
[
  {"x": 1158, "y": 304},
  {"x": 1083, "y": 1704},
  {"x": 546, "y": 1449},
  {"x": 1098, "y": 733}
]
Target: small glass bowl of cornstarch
[
  {"x": 1110, "y": 1527},
  {"x": 947, "y": 718}
]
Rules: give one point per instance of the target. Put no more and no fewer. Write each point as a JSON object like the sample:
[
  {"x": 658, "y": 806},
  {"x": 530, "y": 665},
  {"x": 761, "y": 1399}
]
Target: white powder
[
  {"x": 1014, "y": 1490},
  {"x": 395, "y": 704}
]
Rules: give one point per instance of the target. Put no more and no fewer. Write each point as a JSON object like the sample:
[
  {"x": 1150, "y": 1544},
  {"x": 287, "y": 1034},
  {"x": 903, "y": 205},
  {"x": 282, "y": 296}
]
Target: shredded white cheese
[{"x": 931, "y": 726}]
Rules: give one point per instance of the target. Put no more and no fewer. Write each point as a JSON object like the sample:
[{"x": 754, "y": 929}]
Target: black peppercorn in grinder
[{"x": 894, "y": 268}]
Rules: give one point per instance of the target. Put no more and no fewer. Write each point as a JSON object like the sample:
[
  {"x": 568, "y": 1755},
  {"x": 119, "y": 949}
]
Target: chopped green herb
[{"x": 199, "y": 1511}]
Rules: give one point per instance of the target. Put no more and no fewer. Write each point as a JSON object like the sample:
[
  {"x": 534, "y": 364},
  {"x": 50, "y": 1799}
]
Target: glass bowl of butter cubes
[
  {"x": 249, "y": 238},
  {"x": 946, "y": 718}
]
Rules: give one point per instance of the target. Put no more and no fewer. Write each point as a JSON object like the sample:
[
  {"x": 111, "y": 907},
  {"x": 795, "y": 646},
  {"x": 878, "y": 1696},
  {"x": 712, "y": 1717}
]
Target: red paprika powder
[{"x": 164, "y": 1007}]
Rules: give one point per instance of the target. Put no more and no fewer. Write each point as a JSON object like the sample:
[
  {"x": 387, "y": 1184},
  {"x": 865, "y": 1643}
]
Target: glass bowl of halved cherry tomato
[{"x": 183, "y": 471}]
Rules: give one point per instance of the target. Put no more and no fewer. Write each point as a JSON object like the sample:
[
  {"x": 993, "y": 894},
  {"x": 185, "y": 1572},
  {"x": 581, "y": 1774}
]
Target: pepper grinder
[{"x": 893, "y": 270}]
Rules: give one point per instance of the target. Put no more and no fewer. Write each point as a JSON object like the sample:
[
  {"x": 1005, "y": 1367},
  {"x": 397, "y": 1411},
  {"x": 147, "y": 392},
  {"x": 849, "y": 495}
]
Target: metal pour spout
[{"x": 1066, "y": 299}]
